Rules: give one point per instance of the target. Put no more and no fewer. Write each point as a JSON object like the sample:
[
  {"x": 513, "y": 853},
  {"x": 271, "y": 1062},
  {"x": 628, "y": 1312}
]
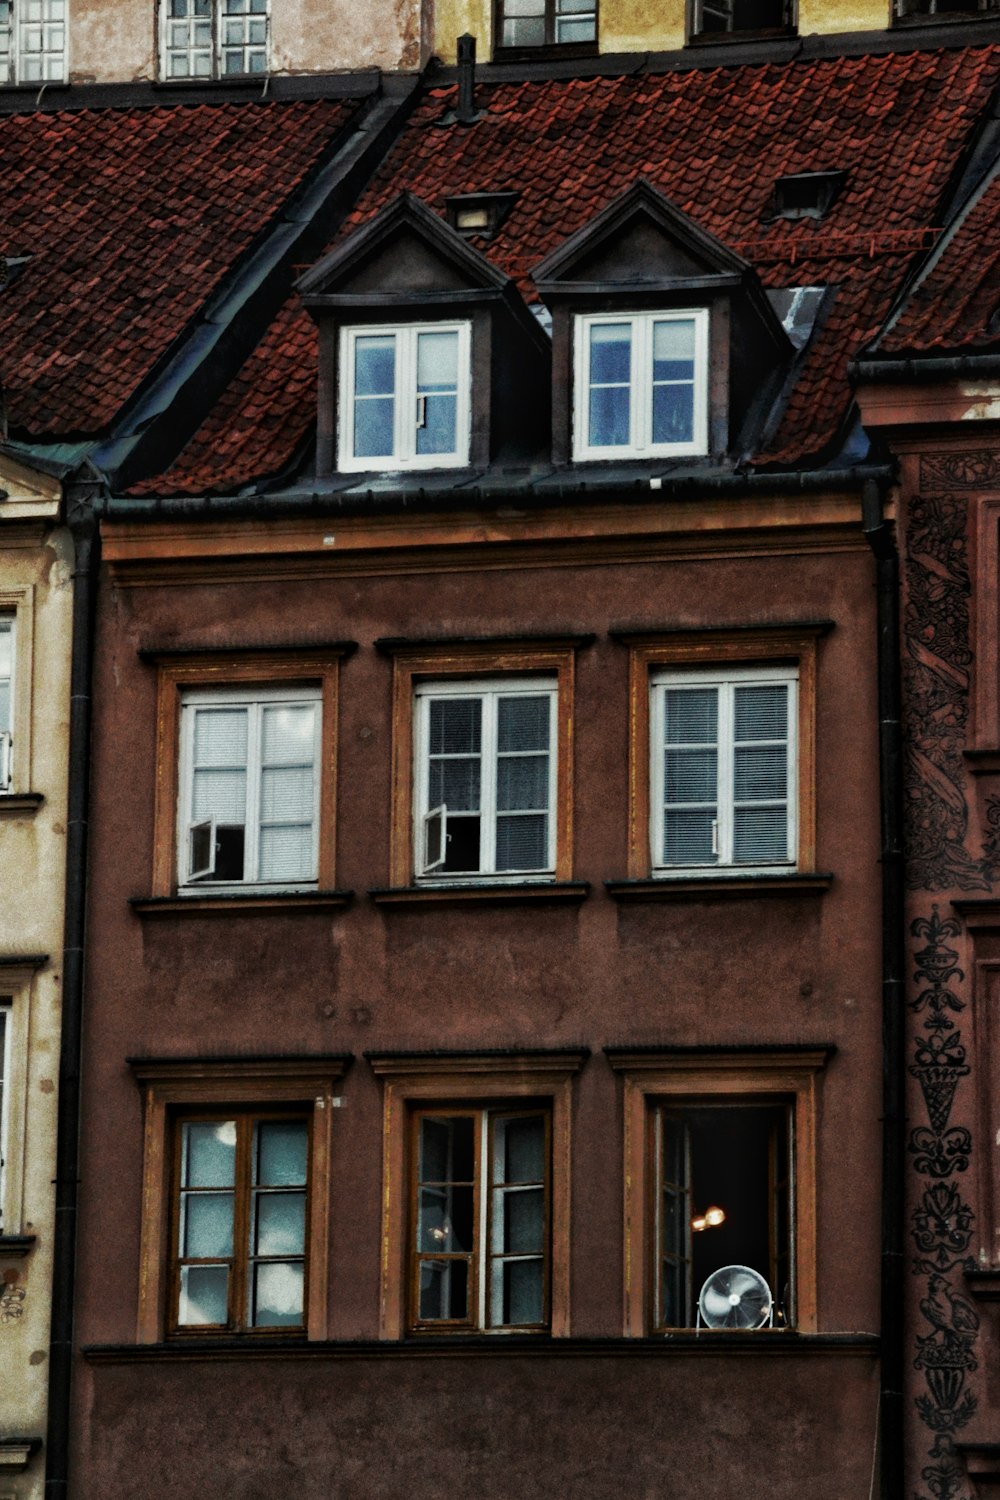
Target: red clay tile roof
[
  {"x": 714, "y": 142},
  {"x": 955, "y": 303},
  {"x": 132, "y": 217}
]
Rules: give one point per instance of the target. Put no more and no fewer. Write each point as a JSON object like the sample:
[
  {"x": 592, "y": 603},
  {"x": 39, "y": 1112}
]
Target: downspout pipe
[
  {"x": 880, "y": 535},
  {"x": 86, "y": 541}
]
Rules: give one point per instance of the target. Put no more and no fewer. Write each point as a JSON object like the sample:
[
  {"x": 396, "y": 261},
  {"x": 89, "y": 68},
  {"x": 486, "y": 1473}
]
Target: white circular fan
[{"x": 735, "y": 1297}]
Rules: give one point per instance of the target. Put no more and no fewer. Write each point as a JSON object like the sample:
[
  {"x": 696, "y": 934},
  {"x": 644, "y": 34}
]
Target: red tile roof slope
[
  {"x": 956, "y": 301},
  {"x": 713, "y": 142},
  {"x": 131, "y": 218}
]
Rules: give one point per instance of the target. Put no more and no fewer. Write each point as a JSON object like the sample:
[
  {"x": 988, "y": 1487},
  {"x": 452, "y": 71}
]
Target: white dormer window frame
[
  {"x": 7, "y": 690},
  {"x": 629, "y": 397},
  {"x": 206, "y": 39},
  {"x": 407, "y": 408}
]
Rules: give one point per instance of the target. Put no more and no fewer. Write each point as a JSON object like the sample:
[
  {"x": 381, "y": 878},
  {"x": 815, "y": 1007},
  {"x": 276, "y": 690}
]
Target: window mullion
[
  {"x": 481, "y": 1267},
  {"x": 488, "y": 786},
  {"x": 724, "y": 810},
  {"x": 406, "y": 394},
  {"x": 638, "y": 424},
  {"x": 239, "y": 1291},
  {"x": 216, "y": 38}
]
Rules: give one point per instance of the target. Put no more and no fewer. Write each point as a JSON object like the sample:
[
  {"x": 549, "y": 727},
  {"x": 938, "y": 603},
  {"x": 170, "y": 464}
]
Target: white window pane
[
  {"x": 207, "y": 1225},
  {"x": 289, "y": 734},
  {"x": 762, "y": 712},
  {"x": 209, "y": 1154},
  {"x": 610, "y": 353},
  {"x": 280, "y": 1227},
  {"x": 437, "y": 362},
  {"x": 374, "y": 427},
  {"x": 287, "y": 853},
  {"x": 202, "y": 65},
  {"x": 523, "y": 723},
  {"x": 760, "y": 774},
  {"x": 673, "y": 349},
  {"x": 692, "y": 716},
  {"x": 520, "y": 1294},
  {"x": 610, "y": 416},
  {"x": 220, "y": 737},
  {"x": 204, "y": 1293},
  {"x": 760, "y": 835},
  {"x": 220, "y": 795},
  {"x": 673, "y": 414},
  {"x": 375, "y": 365},
  {"x": 282, "y": 1153},
  {"x": 456, "y": 725},
  {"x": 579, "y": 29},
  {"x": 526, "y": 33},
  {"x": 687, "y": 837},
  {"x": 177, "y": 65},
  {"x": 233, "y": 33},
  {"x": 437, "y": 432},
  {"x": 31, "y": 70},
  {"x": 522, "y": 842},
  {"x": 278, "y": 1295},
  {"x": 517, "y": 9},
  {"x": 287, "y": 795}
]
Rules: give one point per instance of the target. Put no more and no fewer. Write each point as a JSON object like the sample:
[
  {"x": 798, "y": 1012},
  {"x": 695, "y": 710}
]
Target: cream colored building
[
  {"x": 36, "y": 591},
  {"x": 53, "y": 42}
]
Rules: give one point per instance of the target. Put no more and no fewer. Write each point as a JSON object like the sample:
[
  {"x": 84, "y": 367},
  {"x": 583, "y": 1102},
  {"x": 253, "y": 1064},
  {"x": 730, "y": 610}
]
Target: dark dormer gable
[
  {"x": 407, "y": 252},
  {"x": 639, "y": 238},
  {"x": 407, "y": 267},
  {"x": 642, "y": 255}
]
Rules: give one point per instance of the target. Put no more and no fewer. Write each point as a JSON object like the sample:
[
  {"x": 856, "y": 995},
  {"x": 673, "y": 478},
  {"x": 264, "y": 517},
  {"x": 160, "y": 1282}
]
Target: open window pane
[
  {"x": 522, "y": 1288},
  {"x": 6, "y": 672},
  {"x": 444, "y": 1290},
  {"x": 437, "y": 392}
]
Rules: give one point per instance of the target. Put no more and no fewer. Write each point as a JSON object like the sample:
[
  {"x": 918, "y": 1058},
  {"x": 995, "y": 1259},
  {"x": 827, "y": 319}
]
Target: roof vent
[
  {"x": 479, "y": 214},
  {"x": 806, "y": 195}
]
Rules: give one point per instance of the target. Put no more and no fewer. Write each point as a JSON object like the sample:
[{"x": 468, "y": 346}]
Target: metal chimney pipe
[{"x": 466, "y": 113}]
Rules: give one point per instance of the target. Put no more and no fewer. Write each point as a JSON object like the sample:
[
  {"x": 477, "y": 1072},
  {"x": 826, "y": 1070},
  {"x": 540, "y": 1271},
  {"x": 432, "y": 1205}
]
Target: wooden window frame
[
  {"x": 788, "y": 27},
  {"x": 710, "y": 650},
  {"x": 652, "y": 1078},
  {"x": 478, "y": 1081},
  {"x": 481, "y": 1258},
  {"x": 183, "y": 674},
  {"x": 640, "y": 385},
  {"x": 550, "y": 48},
  {"x": 175, "y": 1088},
  {"x": 415, "y": 663},
  {"x": 404, "y": 393}
]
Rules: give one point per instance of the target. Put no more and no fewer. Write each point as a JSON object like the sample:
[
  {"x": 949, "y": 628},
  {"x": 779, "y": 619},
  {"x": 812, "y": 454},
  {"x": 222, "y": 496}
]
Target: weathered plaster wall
[{"x": 32, "y": 872}]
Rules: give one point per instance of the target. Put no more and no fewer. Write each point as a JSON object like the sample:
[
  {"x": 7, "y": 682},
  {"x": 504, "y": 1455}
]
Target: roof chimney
[{"x": 466, "y": 113}]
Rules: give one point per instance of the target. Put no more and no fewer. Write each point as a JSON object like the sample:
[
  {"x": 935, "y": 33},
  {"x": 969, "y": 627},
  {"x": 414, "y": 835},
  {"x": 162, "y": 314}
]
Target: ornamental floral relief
[{"x": 942, "y": 1222}]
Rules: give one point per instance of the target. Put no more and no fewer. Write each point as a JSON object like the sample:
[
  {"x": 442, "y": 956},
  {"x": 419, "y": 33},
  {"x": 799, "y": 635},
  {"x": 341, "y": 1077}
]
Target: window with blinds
[
  {"x": 724, "y": 769},
  {"x": 485, "y": 779},
  {"x": 249, "y": 789}
]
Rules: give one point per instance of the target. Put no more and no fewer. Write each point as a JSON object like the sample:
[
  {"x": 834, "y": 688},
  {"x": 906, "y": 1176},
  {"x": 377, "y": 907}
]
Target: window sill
[
  {"x": 734, "y": 38},
  {"x": 235, "y": 905},
  {"x": 20, "y": 802},
  {"x": 763, "y": 1341},
  {"x": 559, "y": 892},
  {"x": 16, "y": 1244},
  {"x": 547, "y": 52},
  {"x": 16, "y": 1452},
  {"x": 726, "y": 887}
]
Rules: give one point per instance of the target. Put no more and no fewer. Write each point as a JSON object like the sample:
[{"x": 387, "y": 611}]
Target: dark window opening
[
  {"x": 922, "y": 10},
  {"x": 722, "y": 17},
  {"x": 724, "y": 1173},
  {"x": 807, "y": 195}
]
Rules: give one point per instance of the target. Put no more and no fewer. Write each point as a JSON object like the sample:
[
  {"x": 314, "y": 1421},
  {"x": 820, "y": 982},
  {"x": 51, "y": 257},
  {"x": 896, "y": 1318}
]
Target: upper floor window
[
  {"x": 723, "y": 772},
  {"x": 249, "y": 788},
  {"x": 545, "y": 23},
  {"x": 719, "y": 17},
  {"x": 486, "y": 773},
  {"x": 6, "y": 701},
  {"x": 33, "y": 41},
  {"x": 921, "y": 10},
  {"x": 213, "y": 38},
  {"x": 404, "y": 396},
  {"x": 641, "y": 385}
]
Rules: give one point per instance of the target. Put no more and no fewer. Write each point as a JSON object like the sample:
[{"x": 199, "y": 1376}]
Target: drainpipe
[
  {"x": 80, "y": 495},
  {"x": 880, "y": 535}
]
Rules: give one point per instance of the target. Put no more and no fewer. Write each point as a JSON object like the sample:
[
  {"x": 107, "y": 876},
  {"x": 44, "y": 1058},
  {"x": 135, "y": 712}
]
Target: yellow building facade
[{"x": 36, "y": 628}]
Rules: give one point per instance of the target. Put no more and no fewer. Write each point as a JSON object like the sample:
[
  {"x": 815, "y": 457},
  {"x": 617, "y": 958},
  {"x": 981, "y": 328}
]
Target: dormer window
[
  {"x": 641, "y": 385},
  {"x": 405, "y": 396}
]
